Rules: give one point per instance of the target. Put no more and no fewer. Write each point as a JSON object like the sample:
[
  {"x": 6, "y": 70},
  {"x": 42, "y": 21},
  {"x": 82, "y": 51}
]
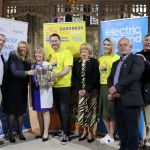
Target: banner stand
[
  {"x": 134, "y": 29},
  {"x": 15, "y": 31}
]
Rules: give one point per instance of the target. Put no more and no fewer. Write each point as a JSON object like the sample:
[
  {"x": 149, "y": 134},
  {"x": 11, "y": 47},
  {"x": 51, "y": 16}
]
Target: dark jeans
[
  {"x": 62, "y": 100},
  {"x": 127, "y": 125}
]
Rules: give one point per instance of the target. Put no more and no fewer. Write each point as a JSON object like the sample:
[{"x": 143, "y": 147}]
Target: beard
[{"x": 56, "y": 46}]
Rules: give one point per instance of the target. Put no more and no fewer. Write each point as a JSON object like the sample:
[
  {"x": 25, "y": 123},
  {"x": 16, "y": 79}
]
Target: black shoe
[
  {"x": 145, "y": 147},
  {"x": 65, "y": 139},
  {"x": 83, "y": 138},
  {"x": 12, "y": 140},
  {"x": 21, "y": 136},
  {"x": 90, "y": 140},
  {"x": 39, "y": 136},
  {"x": 45, "y": 139},
  {"x": 60, "y": 133}
]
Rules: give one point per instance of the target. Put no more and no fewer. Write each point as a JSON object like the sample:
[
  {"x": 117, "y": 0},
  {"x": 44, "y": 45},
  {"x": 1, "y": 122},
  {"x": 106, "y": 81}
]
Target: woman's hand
[
  {"x": 31, "y": 72},
  {"x": 82, "y": 92},
  {"x": 110, "y": 97},
  {"x": 50, "y": 84}
]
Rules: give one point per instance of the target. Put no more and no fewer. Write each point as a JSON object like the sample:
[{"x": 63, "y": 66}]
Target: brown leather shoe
[{"x": 1, "y": 142}]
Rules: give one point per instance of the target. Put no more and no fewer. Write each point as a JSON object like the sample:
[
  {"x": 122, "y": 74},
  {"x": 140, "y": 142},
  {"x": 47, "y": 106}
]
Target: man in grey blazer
[
  {"x": 124, "y": 88},
  {"x": 2, "y": 70}
]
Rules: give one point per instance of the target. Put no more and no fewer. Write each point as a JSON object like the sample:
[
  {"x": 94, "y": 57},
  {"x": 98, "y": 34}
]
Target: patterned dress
[{"x": 85, "y": 109}]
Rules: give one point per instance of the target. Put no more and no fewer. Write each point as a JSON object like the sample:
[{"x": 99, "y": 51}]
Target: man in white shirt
[{"x": 2, "y": 67}]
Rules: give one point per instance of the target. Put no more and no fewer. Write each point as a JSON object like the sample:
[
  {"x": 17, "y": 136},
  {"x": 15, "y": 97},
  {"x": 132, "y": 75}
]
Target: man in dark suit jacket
[
  {"x": 3, "y": 70},
  {"x": 124, "y": 88},
  {"x": 145, "y": 79}
]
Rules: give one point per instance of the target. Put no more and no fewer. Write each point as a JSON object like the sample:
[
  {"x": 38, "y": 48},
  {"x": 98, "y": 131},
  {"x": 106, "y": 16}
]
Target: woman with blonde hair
[
  {"x": 15, "y": 103},
  {"x": 42, "y": 93},
  {"x": 86, "y": 83},
  {"x": 106, "y": 107}
]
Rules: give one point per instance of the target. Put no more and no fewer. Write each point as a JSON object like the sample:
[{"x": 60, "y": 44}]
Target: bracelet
[{"x": 26, "y": 73}]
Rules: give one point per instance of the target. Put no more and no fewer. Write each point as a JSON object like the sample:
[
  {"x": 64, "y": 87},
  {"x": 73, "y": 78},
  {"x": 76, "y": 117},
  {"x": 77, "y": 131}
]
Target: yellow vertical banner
[{"x": 72, "y": 35}]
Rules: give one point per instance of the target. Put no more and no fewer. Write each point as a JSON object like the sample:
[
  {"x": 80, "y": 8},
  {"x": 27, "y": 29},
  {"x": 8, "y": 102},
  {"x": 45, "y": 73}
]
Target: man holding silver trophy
[{"x": 62, "y": 62}]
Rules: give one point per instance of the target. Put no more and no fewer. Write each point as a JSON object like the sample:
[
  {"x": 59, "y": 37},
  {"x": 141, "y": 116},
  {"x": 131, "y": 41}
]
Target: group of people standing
[{"x": 107, "y": 87}]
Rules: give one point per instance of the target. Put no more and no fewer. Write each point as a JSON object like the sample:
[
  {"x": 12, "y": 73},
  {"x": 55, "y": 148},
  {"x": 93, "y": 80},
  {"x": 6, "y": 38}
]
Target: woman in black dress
[
  {"x": 86, "y": 83},
  {"x": 15, "y": 102}
]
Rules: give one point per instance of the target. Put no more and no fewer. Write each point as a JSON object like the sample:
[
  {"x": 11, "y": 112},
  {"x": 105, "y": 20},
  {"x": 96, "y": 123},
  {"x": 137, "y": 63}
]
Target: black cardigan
[
  {"x": 15, "y": 68},
  {"x": 92, "y": 75}
]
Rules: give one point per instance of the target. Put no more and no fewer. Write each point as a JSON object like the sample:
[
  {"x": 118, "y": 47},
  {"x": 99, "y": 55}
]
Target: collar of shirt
[
  {"x": 124, "y": 58},
  {"x": 0, "y": 53},
  {"x": 80, "y": 60}
]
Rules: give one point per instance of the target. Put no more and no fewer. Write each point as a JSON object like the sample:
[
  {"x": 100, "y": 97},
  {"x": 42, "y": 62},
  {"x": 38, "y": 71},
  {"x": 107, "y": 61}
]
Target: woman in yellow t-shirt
[{"x": 106, "y": 107}]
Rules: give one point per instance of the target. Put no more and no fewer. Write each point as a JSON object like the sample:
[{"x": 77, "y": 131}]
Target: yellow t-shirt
[
  {"x": 105, "y": 65},
  {"x": 59, "y": 60}
]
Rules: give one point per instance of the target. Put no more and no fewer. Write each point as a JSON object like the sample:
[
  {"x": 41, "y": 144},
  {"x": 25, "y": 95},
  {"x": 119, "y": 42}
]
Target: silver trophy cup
[{"x": 43, "y": 74}]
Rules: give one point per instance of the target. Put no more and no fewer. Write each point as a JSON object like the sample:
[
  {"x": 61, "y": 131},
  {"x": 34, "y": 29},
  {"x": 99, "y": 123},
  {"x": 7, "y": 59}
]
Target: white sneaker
[
  {"x": 107, "y": 140},
  {"x": 105, "y": 137}
]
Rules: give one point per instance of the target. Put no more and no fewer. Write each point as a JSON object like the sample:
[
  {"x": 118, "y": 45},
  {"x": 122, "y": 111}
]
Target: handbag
[{"x": 146, "y": 93}]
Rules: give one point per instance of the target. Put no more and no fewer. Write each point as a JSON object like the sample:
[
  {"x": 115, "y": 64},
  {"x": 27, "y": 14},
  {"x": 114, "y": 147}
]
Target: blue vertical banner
[{"x": 132, "y": 28}]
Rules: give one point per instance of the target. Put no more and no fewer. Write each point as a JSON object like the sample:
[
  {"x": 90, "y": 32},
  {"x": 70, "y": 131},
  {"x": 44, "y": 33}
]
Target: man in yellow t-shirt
[{"x": 62, "y": 61}]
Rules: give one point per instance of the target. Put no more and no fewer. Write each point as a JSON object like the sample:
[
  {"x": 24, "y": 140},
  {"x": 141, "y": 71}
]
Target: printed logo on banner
[
  {"x": 49, "y": 32},
  {"x": 133, "y": 29},
  {"x": 133, "y": 33},
  {"x": 66, "y": 31},
  {"x": 14, "y": 32},
  {"x": 77, "y": 38},
  {"x": 72, "y": 35},
  {"x": 10, "y": 28}
]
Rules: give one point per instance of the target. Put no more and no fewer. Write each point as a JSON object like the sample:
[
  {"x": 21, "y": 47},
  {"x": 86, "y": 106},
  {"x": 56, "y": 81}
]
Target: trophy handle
[{"x": 51, "y": 70}]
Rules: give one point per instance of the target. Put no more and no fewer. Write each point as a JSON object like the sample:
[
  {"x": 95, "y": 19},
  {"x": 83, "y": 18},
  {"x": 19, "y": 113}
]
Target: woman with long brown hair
[{"x": 15, "y": 103}]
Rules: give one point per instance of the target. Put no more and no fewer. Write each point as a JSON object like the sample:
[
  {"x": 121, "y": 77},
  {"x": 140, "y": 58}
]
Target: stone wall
[{"x": 92, "y": 39}]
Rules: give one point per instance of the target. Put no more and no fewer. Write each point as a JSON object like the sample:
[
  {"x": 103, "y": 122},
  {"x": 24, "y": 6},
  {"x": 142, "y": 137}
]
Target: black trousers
[
  {"x": 62, "y": 100},
  {"x": 127, "y": 125}
]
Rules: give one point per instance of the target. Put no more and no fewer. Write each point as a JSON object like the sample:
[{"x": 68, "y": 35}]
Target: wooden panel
[{"x": 1, "y": 8}]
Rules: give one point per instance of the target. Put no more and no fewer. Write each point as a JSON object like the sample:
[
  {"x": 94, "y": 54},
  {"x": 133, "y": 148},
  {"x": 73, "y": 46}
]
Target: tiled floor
[{"x": 54, "y": 144}]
